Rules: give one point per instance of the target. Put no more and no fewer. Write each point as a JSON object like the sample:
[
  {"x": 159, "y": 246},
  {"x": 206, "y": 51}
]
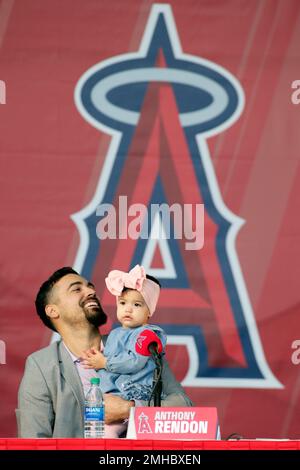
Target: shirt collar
[
  {"x": 77, "y": 359},
  {"x": 74, "y": 358}
]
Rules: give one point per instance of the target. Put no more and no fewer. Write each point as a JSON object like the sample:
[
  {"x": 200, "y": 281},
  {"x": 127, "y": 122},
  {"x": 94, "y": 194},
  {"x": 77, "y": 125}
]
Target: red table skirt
[{"x": 131, "y": 444}]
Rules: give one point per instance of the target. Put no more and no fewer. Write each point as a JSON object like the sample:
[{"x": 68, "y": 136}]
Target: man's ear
[{"x": 52, "y": 311}]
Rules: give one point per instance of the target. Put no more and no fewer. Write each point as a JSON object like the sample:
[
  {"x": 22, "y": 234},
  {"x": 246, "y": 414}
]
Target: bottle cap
[{"x": 95, "y": 381}]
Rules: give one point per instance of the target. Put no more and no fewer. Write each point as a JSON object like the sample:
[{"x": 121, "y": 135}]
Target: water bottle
[{"x": 94, "y": 411}]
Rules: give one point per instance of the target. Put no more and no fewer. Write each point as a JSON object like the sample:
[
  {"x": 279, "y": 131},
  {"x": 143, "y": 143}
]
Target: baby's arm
[
  {"x": 126, "y": 362},
  {"x": 93, "y": 359}
]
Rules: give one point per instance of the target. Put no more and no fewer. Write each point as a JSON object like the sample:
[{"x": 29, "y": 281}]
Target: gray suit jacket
[{"x": 51, "y": 399}]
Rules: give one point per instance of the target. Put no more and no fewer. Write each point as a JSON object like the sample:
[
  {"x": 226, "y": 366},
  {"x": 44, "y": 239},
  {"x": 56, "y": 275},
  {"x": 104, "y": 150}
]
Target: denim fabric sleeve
[{"x": 126, "y": 362}]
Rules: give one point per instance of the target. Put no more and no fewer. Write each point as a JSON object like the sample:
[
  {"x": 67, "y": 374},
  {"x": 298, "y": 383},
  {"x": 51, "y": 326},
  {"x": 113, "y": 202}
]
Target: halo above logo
[{"x": 208, "y": 96}]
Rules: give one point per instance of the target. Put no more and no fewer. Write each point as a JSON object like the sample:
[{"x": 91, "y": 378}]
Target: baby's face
[{"x": 132, "y": 310}]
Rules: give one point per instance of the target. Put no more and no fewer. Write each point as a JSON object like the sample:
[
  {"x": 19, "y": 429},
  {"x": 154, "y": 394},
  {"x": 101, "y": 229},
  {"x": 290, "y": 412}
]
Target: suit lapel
[{"x": 70, "y": 374}]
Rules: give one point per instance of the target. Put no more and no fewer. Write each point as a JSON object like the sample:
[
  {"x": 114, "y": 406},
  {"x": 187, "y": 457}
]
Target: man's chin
[{"x": 95, "y": 316}]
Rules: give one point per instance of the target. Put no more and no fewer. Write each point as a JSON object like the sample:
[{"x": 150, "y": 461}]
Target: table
[{"x": 132, "y": 444}]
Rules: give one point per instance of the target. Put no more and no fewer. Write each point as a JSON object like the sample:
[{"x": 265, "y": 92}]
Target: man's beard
[{"x": 95, "y": 315}]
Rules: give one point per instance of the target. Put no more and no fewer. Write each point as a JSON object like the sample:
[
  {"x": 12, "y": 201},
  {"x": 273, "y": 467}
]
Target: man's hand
[{"x": 116, "y": 408}]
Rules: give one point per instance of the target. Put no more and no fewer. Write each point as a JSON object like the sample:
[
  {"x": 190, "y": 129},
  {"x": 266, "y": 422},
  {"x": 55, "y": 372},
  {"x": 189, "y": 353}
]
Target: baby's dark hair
[{"x": 152, "y": 278}]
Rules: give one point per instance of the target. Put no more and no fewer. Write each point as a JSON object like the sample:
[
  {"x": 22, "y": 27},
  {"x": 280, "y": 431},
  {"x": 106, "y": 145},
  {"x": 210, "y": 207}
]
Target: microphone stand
[{"x": 157, "y": 382}]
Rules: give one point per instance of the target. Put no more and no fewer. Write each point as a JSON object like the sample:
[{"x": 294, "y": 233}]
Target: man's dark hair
[{"x": 42, "y": 298}]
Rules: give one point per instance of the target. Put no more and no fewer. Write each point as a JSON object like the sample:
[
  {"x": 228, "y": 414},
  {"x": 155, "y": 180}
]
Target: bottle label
[{"x": 94, "y": 413}]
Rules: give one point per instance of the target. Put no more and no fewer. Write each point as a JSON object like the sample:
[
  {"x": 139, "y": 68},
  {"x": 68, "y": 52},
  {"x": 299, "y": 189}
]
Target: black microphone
[
  {"x": 153, "y": 349},
  {"x": 149, "y": 344}
]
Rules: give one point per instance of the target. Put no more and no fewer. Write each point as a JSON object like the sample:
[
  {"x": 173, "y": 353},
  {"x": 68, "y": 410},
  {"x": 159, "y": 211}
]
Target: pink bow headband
[{"x": 135, "y": 279}]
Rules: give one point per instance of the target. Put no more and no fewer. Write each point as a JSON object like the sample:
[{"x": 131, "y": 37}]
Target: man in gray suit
[{"x": 51, "y": 393}]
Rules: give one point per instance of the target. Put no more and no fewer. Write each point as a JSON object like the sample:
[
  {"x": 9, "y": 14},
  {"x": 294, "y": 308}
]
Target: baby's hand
[{"x": 93, "y": 359}]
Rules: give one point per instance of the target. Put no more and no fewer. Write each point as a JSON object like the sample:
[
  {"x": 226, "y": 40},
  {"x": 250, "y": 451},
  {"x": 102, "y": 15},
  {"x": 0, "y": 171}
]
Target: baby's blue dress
[{"x": 128, "y": 373}]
